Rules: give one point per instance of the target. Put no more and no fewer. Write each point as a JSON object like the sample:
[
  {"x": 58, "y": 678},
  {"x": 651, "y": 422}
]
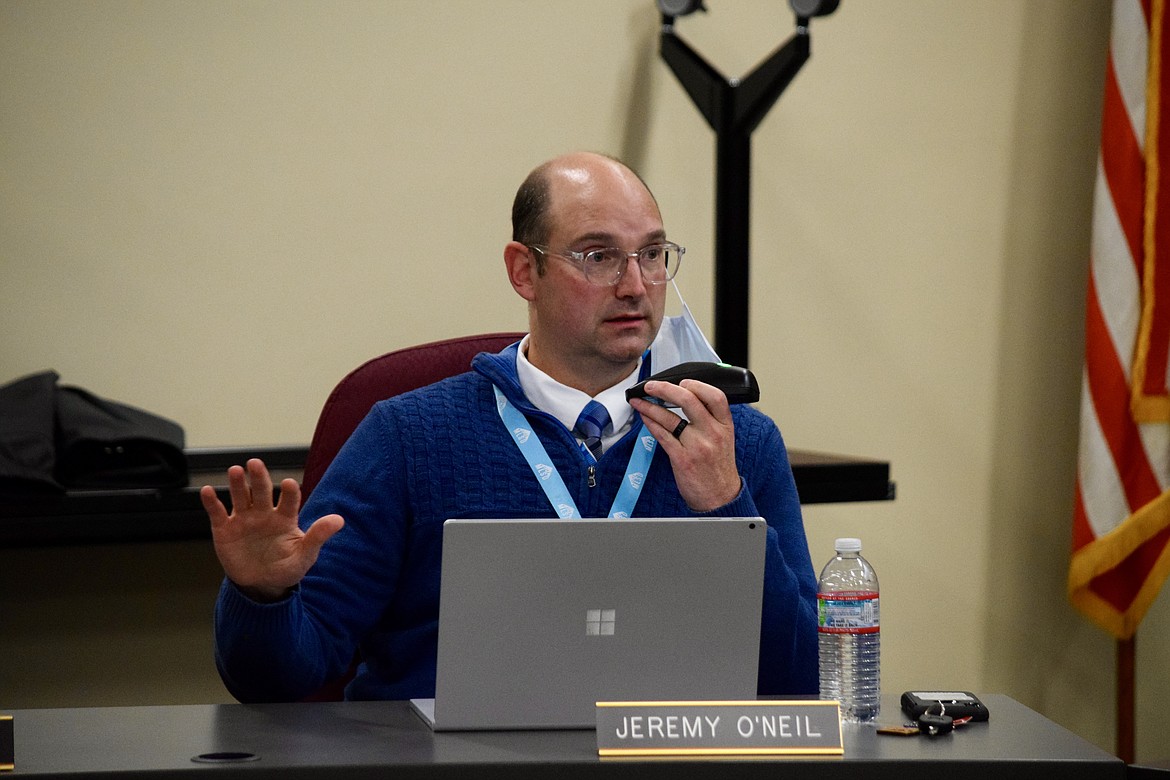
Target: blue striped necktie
[{"x": 592, "y": 422}]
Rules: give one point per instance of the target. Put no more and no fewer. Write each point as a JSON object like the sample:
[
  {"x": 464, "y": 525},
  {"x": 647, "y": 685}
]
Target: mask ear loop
[{"x": 682, "y": 305}]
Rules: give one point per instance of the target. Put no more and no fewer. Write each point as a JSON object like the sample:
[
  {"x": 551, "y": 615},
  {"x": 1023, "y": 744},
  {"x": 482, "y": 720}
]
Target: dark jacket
[{"x": 54, "y": 438}]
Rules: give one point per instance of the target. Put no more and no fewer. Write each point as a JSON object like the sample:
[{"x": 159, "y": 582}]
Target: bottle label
[{"x": 847, "y": 612}]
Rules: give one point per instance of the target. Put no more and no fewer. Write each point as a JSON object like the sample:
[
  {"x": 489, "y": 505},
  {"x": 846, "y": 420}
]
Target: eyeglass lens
[{"x": 657, "y": 263}]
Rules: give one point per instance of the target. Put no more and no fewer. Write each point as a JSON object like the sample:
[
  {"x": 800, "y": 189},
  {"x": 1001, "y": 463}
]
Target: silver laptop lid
[{"x": 540, "y": 619}]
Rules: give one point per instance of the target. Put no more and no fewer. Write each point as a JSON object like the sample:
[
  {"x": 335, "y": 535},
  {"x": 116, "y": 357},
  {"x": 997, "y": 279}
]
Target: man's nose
[{"x": 631, "y": 285}]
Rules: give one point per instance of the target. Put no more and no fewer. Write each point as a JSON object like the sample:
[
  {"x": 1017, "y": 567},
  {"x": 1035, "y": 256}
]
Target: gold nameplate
[
  {"x": 719, "y": 728},
  {"x": 7, "y": 748}
]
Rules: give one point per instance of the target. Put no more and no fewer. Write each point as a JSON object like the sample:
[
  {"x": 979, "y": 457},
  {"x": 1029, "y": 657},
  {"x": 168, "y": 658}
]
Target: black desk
[
  {"x": 384, "y": 739},
  {"x": 116, "y": 516}
]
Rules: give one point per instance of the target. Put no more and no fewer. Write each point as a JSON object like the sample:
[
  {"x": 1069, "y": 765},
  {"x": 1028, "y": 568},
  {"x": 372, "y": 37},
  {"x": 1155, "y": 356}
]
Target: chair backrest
[{"x": 383, "y": 377}]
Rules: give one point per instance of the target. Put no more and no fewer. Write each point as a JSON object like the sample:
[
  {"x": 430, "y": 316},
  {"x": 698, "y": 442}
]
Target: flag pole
[{"x": 1126, "y": 665}]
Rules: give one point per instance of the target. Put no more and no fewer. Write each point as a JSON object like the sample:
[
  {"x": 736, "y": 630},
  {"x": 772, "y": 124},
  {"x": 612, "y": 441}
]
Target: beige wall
[{"x": 214, "y": 210}]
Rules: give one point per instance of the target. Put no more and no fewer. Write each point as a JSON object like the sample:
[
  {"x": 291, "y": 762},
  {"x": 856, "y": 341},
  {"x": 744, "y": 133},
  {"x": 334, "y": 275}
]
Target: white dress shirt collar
[{"x": 565, "y": 403}]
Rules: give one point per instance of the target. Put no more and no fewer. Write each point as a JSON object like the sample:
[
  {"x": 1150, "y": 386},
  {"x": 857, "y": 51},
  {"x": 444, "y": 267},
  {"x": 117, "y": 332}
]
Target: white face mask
[{"x": 679, "y": 340}]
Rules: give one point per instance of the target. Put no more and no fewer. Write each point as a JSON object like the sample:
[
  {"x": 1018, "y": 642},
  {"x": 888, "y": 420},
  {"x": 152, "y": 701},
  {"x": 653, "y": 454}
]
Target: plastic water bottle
[{"x": 849, "y": 633}]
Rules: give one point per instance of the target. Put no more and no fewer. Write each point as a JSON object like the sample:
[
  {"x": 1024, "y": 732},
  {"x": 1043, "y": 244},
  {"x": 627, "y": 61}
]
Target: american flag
[{"x": 1121, "y": 522}]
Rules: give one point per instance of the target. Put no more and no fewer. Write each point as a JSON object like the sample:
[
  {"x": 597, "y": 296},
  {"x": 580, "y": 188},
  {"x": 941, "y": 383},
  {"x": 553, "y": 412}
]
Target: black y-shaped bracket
[{"x": 733, "y": 108}]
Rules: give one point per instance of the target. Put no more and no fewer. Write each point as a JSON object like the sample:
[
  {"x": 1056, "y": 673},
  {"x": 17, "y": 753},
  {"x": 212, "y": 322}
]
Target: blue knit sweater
[{"x": 442, "y": 452}]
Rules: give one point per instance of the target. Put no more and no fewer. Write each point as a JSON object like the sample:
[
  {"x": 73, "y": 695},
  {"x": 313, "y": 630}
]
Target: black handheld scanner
[{"x": 738, "y": 384}]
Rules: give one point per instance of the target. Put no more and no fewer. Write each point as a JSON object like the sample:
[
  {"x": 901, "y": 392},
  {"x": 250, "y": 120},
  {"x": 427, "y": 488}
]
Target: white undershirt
[{"x": 565, "y": 403}]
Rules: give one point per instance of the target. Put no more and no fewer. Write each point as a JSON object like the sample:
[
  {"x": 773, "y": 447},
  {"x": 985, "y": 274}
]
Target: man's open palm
[{"x": 259, "y": 544}]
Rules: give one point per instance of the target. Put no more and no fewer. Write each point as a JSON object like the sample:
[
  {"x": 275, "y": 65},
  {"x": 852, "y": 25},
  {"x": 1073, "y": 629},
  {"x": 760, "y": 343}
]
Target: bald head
[
  {"x": 533, "y": 208},
  {"x": 585, "y": 333}
]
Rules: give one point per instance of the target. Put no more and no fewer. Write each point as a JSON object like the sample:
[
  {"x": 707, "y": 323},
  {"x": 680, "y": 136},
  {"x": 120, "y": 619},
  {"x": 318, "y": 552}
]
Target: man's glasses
[{"x": 605, "y": 267}]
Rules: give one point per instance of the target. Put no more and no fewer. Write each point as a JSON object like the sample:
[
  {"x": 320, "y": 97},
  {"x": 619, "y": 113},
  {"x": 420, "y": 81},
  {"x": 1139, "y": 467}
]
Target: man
[{"x": 364, "y": 572}]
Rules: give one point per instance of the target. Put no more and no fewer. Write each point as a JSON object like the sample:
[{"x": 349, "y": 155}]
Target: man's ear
[{"x": 521, "y": 264}]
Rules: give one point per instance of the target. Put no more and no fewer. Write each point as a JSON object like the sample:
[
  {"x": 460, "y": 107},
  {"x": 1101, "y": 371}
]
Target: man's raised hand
[{"x": 259, "y": 544}]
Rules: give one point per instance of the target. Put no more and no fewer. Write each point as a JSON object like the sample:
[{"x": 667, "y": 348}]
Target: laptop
[{"x": 541, "y": 619}]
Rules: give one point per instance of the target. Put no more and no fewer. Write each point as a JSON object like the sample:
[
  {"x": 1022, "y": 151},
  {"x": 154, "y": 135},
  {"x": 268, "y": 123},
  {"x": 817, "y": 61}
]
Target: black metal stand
[{"x": 733, "y": 108}]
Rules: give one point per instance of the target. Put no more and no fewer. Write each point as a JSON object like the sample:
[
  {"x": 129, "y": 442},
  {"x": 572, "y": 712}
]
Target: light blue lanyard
[{"x": 546, "y": 474}]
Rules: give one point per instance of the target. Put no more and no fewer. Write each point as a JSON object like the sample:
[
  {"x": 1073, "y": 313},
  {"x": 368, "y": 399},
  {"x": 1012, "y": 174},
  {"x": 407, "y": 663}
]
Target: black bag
[{"x": 54, "y": 438}]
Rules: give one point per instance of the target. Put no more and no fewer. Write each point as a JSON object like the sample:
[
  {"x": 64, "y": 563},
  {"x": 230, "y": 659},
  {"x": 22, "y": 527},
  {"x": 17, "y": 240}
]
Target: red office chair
[{"x": 383, "y": 377}]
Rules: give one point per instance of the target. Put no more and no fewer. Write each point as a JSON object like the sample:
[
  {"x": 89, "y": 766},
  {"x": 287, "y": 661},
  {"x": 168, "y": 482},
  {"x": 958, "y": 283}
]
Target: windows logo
[{"x": 600, "y": 622}]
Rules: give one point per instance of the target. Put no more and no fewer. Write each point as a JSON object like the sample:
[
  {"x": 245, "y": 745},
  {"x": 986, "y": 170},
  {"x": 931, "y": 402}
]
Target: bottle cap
[{"x": 847, "y": 544}]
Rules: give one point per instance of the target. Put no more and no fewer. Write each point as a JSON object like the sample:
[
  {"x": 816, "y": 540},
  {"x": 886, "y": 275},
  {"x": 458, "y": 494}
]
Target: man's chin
[{"x": 629, "y": 347}]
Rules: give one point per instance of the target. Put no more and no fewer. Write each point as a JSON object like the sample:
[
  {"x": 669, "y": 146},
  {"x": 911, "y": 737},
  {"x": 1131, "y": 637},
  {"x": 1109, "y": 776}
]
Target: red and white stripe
[{"x": 1121, "y": 519}]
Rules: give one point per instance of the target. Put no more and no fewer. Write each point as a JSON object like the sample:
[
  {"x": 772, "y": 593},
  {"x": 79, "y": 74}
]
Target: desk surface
[
  {"x": 372, "y": 739},
  {"x": 128, "y": 515}
]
